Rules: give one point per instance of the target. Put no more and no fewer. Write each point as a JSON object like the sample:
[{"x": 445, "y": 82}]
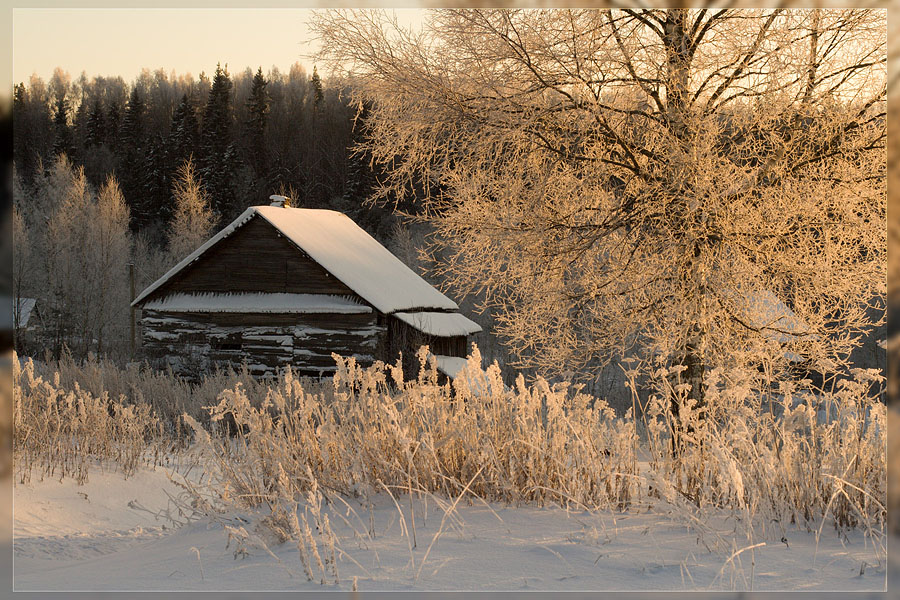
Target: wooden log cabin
[{"x": 286, "y": 286}]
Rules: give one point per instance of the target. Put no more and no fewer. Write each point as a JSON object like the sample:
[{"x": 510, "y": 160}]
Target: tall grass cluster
[
  {"x": 374, "y": 431},
  {"x": 61, "y": 432},
  {"x": 774, "y": 454},
  {"x": 770, "y": 457}
]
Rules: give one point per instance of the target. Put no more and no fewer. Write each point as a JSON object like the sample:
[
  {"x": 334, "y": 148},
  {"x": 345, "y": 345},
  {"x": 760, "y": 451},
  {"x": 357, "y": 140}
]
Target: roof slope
[{"x": 344, "y": 249}]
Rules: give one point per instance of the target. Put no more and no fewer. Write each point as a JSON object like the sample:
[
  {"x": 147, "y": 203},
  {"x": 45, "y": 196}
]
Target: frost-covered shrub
[
  {"x": 60, "y": 431},
  {"x": 168, "y": 395},
  {"x": 771, "y": 453},
  {"x": 775, "y": 453},
  {"x": 376, "y": 431}
]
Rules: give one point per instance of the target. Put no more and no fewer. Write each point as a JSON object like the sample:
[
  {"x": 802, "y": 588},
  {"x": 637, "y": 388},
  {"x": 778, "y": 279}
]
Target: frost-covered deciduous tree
[
  {"x": 193, "y": 220},
  {"x": 649, "y": 181},
  {"x": 71, "y": 255},
  {"x": 37, "y": 205},
  {"x": 110, "y": 244}
]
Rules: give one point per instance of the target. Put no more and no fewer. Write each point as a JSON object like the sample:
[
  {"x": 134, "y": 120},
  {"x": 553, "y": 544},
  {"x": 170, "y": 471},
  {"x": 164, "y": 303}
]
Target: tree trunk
[
  {"x": 692, "y": 360},
  {"x": 679, "y": 54}
]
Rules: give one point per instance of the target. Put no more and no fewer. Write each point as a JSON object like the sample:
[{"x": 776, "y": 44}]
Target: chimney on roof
[{"x": 280, "y": 201}]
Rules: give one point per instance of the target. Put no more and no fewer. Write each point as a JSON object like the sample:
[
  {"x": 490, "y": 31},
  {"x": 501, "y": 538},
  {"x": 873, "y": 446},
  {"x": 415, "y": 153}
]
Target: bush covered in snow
[{"x": 60, "y": 432}]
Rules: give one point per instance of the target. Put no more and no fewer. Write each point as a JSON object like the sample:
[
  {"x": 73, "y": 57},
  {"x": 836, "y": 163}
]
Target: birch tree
[
  {"x": 110, "y": 245},
  {"x": 72, "y": 248},
  {"x": 640, "y": 181}
]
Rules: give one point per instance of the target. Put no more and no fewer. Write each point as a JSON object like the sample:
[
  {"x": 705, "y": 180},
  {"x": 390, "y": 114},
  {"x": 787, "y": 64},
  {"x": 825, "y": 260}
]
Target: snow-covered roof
[
  {"x": 256, "y": 303},
  {"x": 344, "y": 249},
  {"x": 440, "y": 324},
  {"x": 24, "y": 308}
]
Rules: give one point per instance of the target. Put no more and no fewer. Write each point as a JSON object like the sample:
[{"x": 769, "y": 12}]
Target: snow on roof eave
[
  {"x": 224, "y": 233},
  {"x": 256, "y": 302},
  {"x": 441, "y": 324}
]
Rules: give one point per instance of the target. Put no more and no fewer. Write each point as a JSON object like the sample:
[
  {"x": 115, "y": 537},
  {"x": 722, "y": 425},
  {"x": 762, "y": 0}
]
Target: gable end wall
[{"x": 255, "y": 258}]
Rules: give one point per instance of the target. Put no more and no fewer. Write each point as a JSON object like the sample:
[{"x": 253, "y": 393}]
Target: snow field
[{"x": 116, "y": 534}]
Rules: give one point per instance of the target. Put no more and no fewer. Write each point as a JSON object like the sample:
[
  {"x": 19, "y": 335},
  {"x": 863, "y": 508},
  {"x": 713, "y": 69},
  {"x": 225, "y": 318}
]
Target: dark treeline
[{"x": 249, "y": 134}]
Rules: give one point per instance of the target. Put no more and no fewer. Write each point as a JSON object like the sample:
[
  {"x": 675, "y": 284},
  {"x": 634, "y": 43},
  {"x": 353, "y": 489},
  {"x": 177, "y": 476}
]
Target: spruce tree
[
  {"x": 184, "y": 135},
  {"x": 318, "y": 93},
  {"x": 24, "y": 154},
  {"x": 133, "y": 161},
  {"x": 215, "y": 139},
  {"x": 20, "y": 94},
  {"x": 258, "y": 113},
  {"x": 62, "y": 143},
  {"x": 113, "y": 123},
  {"x": 156, "y": 181},
  {"x": 96, "y": 125},
  {"x": 133, "y": 122},
  {"x": 79, "y": 126}
]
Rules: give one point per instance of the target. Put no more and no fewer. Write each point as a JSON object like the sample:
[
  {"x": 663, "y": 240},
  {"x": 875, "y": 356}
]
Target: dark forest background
[{"x": 249, "y": 134}]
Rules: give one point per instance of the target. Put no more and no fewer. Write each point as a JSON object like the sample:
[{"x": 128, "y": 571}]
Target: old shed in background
[{"x": 288, "y": 286}]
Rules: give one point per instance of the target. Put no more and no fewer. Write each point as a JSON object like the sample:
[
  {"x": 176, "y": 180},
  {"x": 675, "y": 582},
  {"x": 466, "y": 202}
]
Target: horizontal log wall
[{"x": 192, "y": 343}]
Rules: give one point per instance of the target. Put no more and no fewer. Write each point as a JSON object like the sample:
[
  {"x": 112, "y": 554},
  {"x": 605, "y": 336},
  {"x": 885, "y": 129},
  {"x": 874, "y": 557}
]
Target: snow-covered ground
[{"x": 122, "y": 534}]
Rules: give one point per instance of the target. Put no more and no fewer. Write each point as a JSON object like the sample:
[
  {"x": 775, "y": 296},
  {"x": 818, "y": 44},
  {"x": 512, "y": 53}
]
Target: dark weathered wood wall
[
  {"x": 402, "y": 338},
  {"x": 194, "y": 342},
  {"x": 255, "y": 258}
]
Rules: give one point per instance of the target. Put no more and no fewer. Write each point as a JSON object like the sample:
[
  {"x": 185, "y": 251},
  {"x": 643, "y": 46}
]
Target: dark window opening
[{"x": 232, "y": 344}]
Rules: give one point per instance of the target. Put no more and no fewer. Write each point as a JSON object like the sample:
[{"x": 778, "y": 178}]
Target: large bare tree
[{"x": 665, "y": 181}]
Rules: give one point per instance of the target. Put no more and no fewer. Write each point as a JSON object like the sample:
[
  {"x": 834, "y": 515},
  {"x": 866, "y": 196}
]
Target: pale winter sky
[{"x": 122, "y": 41}]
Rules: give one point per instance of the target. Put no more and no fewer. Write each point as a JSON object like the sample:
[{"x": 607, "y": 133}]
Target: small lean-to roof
[
  {"x": 24, "y": 308},
  {"x": 439, "y": 324},
  {"x": 256, "y": 302},
  {"x": 344, "y": 249}
]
